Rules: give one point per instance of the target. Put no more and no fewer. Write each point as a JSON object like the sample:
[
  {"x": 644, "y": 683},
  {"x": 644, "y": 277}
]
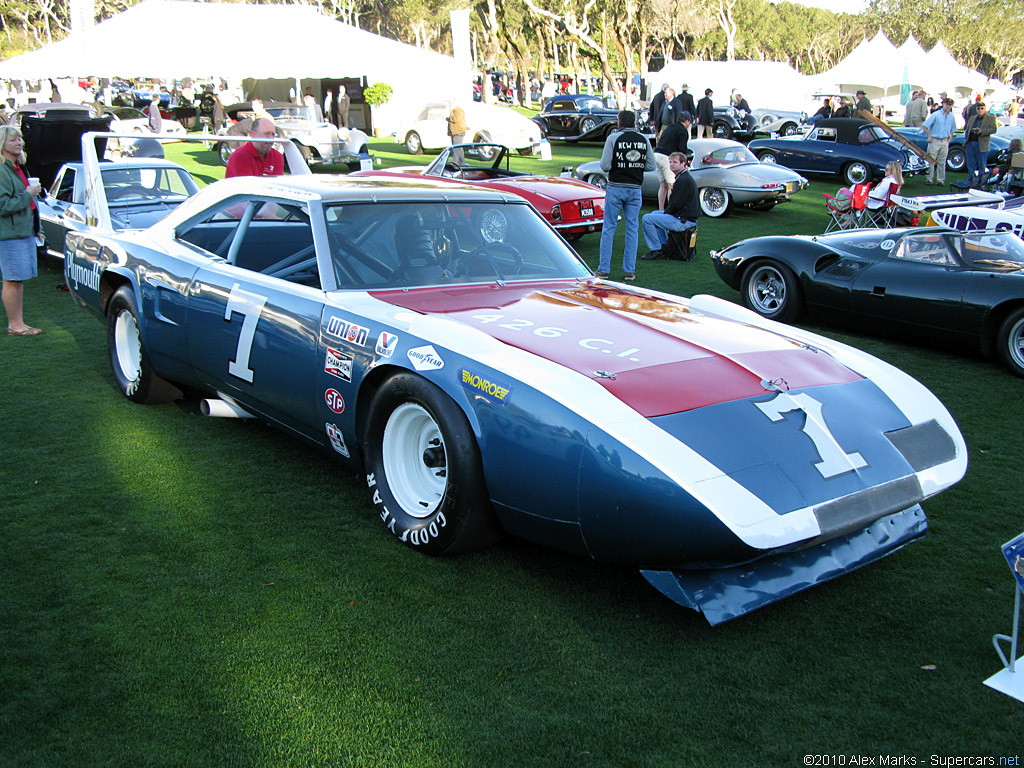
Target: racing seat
[
  {"x": 417, "y": 259},
  {"x": 847, "y": 212}
]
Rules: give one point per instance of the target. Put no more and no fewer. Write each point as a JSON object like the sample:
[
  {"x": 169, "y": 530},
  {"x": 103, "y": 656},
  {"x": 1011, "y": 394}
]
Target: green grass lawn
[{"x": 186, "y": 591}]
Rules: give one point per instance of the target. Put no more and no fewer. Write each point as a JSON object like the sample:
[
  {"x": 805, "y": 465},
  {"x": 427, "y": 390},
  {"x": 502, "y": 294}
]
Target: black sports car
[
  {"x": 965, "y": 288},
  {"x": 580, "y": 117},
  {"x": 732, "y": 123}
]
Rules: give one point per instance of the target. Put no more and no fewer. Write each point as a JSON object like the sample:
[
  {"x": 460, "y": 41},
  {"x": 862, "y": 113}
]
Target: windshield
[
  {"x": 998, "y": 251},
  {"x": 406, "y": 245},
  {"x": 128, "y": 186},
  {"x": 289, "y": 113}
]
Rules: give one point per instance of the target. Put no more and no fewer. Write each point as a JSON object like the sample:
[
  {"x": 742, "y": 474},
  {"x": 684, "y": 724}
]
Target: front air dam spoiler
[{"x": 723, "y": 594}]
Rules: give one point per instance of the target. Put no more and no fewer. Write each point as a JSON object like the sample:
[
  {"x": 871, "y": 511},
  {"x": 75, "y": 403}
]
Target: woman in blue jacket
[{"x": 17, "y": 228}]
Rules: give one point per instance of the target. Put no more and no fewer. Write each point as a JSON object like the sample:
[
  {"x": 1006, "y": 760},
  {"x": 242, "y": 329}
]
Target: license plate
[
  {"x": 790, "y": 187},
  {"x": 586, "y": 208}
]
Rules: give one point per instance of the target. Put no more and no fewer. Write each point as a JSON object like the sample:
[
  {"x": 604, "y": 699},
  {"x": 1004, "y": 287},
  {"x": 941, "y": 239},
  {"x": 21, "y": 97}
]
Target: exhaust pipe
[{"x": 223, "y": 409}]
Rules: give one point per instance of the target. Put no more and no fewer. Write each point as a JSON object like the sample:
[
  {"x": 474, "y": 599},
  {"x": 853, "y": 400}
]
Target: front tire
[
  {"x": 772, "y": 291},
  {"x": 789, "y": 129},
  {"x": 722, "y": 131},
  {"x": 423, "y": 467},
  {"x": 1011, "y": 343},
  {"x": 413, "y": 143},
  {"x": 714, "y": 201},
  {"x": 128, "y": 359},
  {"x": 856, "y": 173},
  {"x": 956, "y": 159},
  {"x": 224, "y": 152},
  {"x": 587, "y": 124}
]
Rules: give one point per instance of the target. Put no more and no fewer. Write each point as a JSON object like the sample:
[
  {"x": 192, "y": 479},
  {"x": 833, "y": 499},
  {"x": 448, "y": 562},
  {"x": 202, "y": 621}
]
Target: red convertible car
[{"x": 571, "y": 206}]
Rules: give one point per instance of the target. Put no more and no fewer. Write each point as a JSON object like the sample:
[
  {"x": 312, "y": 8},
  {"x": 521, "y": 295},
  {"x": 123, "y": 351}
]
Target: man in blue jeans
[
  {"x": 680, "y": 212},
  {"x": 627, "y": 155},
  {"x": 980, "y": 126}
]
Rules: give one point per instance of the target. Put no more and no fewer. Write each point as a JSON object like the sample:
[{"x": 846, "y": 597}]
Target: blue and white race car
[{"x": 448, "y": 343}]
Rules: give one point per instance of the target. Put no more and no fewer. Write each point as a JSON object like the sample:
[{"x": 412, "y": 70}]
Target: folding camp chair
[
  {"x": 682, "y": 245},
  {"x": 847, "y": 216},
  {"x": 885, "y": 216}
]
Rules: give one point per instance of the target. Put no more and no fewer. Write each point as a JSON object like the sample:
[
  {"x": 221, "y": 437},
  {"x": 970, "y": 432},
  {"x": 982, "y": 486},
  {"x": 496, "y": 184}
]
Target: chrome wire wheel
[{"x": 415, "y": 459}]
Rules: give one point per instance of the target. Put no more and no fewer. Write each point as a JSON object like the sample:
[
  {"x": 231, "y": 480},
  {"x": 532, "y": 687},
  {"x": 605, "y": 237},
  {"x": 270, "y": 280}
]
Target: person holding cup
[{"x": 17, "y": 227}]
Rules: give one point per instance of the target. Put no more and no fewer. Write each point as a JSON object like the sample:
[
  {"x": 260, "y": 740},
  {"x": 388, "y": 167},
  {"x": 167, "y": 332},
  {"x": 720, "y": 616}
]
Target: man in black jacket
[
  {"x": 680, "y": 213},
  {"x": 674, "y": 138},
  {"x": 706, "y": 116},
  {"x": 626, "y": 157}
]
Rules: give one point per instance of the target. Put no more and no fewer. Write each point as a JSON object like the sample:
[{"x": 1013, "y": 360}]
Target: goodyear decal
[{"x": 474, "y": 382}]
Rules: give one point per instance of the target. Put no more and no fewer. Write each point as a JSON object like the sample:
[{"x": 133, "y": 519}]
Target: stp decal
[
  {"x": 338, "y": 363},
  {"x": 337, "y": 441},
  {"x": 474, "y": 382},
  {"x": 334, "y": 400},
  {"x": 386, "y": 344},
  {"x": 425, "y": 358},
  {"x": 350, "y": 332}
]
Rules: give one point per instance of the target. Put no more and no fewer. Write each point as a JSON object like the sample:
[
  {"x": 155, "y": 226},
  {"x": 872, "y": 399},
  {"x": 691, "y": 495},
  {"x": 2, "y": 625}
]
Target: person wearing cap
[
  {"x": 706, "y": 116},
  {"x": 863, "y": 103},
  {"x": 980, "y": 127},
  {"x": 686, "y": 99},
  {"x": 939, "y": 128},
  {"x": 674, "y": 138}
]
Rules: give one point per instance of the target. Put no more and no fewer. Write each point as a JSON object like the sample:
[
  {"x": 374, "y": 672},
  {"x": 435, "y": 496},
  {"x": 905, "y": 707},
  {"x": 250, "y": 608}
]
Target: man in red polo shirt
[{"x": 259, "y": 158}]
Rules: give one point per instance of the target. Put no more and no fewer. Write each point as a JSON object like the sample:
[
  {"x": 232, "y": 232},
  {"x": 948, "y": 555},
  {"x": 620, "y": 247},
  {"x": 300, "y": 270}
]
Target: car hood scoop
[{"x": 655, "y": 355}]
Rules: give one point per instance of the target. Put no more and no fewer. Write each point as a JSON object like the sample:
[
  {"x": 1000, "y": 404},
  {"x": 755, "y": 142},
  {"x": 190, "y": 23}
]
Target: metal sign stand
[{"x": 1009, "y": 680}]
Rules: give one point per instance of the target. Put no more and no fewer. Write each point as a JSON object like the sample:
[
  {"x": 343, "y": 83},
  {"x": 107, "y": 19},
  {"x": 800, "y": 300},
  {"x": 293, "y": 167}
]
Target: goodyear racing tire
[
  {"x": 128, "y": 359},
  {"x": 1011, "y": 342},
  {"x": 772, "y": 291},
  {"x": 424, "y": 471}
]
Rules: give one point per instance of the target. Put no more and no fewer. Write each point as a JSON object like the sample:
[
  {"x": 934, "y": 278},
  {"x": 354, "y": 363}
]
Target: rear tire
[
  {"x": 128, "y": 359},
  {"x": 413, "y": 143},
  {"x": 423, "y": 467},
  {"x": 714, "y": 201},
  {"x": 1010, "y": 343},
  {"x": 956, "y": 159}
]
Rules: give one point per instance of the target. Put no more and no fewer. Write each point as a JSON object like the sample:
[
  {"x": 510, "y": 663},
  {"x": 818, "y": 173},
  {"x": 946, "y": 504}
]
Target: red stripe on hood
[{"x": 655, "y": 355}]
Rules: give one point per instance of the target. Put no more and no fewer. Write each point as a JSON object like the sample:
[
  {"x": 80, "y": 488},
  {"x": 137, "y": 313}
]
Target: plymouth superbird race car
[
  {"x": 447, "y": 343},
  {"x": 966, "y": 289}
]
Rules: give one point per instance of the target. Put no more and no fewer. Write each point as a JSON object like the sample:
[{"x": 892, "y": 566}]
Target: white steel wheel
[
  {"x": 415, "y": 459},
  {"x": 127, "y": 346}
]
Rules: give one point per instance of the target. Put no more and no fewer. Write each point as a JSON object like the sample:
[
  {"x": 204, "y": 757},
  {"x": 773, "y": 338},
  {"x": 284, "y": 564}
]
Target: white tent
[
  {"x": 171, "y": 38},
  {"x": 954, "y": 76},
  {"x": 873, "y": 66},
  {"x": 771, "y": 84}
]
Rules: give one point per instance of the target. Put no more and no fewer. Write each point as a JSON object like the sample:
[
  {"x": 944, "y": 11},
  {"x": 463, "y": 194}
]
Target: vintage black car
[
  {"x": 732, "y": 123},
  {"x": 581, "y": 117},
  {"x": 965, "y": 289}
]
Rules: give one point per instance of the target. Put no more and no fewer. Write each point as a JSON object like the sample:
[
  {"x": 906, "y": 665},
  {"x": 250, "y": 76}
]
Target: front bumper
[{"x": 727, "y": 593}]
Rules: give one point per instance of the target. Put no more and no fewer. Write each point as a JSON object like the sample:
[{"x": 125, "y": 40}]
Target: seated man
[{"x": 680, "y": 212}]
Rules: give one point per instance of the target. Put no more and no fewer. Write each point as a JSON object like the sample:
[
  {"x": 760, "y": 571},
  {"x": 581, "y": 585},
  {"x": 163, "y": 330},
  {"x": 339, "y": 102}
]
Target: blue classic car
[
  {"x": 448, "y": 344},
  {"x": 854, "y": 149},
  {"x": 956, "y": 160}
]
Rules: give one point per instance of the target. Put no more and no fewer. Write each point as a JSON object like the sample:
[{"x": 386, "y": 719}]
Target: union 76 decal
[{"x": 834, "y": 460}]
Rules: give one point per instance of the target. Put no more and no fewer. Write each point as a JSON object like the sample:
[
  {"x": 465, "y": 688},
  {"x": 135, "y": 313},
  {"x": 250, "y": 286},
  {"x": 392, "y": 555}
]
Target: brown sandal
[{"x": 26, "y": 332}]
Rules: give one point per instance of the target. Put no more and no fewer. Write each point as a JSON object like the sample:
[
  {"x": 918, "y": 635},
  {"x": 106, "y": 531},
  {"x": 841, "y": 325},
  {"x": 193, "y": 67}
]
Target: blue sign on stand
[
  {"x": 1014, "y": 551},
  {"x": 1009, "y": 680}
]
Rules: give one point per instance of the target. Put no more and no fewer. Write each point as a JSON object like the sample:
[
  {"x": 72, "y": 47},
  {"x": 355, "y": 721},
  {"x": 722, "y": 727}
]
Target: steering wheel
[
  {"x": 488, "y": 252},
  {"x": 453, "y": 170}
]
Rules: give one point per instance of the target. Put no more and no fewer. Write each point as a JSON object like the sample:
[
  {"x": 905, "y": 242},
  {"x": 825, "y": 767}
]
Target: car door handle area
[{"x": 878, "y": 290}]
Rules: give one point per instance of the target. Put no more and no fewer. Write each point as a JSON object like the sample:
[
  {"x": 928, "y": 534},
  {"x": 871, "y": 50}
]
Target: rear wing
[{"x": 97, "y": 210}]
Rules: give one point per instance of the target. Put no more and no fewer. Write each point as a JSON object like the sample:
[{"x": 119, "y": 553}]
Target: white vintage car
[
  {"x": 485, "y": 123},
  {"x": 316, "y": 139}
]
